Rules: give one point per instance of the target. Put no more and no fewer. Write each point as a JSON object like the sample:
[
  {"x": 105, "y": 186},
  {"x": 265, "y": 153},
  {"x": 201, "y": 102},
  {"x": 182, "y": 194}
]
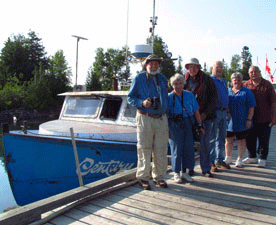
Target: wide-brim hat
[
  {"x": 151, "y": 58},
  {"x": 193, "y": 61}
]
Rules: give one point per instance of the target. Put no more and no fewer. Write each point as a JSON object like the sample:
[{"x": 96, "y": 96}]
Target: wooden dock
[{"x": 237, "y": 196}]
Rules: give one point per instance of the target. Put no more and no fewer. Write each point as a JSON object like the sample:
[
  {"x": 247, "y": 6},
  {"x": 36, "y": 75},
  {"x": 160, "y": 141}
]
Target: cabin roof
[{"x": 91, "y": 93}]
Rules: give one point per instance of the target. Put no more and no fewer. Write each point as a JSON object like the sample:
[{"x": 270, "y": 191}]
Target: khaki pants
[{"x": 152, "y": 140}]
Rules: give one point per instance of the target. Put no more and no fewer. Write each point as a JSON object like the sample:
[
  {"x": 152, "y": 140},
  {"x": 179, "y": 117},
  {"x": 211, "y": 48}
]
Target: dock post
[{"x": 76, "y": 156}]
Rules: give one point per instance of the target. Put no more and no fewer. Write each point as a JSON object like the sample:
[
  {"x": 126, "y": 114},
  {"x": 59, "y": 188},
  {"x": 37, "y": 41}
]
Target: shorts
[{"x": 239, "y": 135}]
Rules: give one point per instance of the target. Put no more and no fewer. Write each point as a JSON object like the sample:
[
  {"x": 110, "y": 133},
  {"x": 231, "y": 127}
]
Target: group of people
[{"x": 244, "y": 112}]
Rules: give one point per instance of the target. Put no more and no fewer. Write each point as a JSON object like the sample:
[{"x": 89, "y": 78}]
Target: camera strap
[
  {"x": 183, "y": 107},
  {"x": 182, "y": 102}
]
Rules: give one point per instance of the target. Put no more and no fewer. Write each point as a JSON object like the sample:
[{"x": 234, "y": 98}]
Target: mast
[
  {"x": 78, "y": 38},
  {"x": 153, "y": 21}
]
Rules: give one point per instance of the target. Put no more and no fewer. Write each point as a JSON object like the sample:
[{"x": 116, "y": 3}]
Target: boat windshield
[
  {"x": 84, "y": 106},
  {"x": 130, "y": 111}
]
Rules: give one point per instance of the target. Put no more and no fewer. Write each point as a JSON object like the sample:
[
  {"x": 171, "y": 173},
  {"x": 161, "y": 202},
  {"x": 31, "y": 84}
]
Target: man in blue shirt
[
  {"x": 217, "y": 153},
  {"x": 149, "y": 94}
]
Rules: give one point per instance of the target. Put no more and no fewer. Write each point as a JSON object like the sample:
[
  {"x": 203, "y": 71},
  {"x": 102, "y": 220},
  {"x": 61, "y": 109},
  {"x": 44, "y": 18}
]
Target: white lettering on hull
[{"x": 109, "y": 168}]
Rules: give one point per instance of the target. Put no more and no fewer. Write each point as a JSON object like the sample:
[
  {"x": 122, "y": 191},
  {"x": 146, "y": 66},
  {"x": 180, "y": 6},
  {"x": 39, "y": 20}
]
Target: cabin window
[
  {"x": 130, "y": 111},
  {"x": 111, "y": 108},
  {"x": 81, "y": 106}
]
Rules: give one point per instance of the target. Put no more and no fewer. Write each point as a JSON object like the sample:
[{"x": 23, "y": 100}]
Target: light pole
[{"x": 78, "y": 38}]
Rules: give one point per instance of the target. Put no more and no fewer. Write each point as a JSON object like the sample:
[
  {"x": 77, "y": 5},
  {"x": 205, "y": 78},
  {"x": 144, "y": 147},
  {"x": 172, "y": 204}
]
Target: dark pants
[{"x": 260, "y": 132}]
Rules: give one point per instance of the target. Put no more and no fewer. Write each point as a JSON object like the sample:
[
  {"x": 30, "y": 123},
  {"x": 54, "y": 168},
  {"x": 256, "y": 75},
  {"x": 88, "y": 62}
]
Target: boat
[{"x": 42, "y": 163}]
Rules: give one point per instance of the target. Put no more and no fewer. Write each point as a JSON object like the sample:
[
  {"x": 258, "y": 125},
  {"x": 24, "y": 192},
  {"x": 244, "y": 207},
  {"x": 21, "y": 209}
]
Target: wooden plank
[
  {"x": 32, "y": 212},
  {"x": 198, "y": 202},
  {"x": 129, "y": 214},
  {"x": 204, "y": 215},
  {"x": 88, "y": 218},
  {"x": 164, "y": 211},
  {"x": 63, "y": 220},
  {"x": 120, "y": 216}
]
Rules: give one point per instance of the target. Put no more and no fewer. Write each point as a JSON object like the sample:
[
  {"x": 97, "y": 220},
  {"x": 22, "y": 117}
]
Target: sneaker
[
  {"x": 228, "y": 160},
  {"x": 238, "y": 163},
  {"x": 177, "y": 178},
  {"x": 249, "y": 160},
  {"x": 187, "y": 177},
  {"x": 223, "y": 165},
  {"x": 262, "y": 163},
  {"x": 214, "y": 168}
]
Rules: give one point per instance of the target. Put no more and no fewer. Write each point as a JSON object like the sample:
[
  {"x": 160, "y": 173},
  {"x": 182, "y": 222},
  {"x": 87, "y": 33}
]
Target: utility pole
[{"x": 78, "y": 38}]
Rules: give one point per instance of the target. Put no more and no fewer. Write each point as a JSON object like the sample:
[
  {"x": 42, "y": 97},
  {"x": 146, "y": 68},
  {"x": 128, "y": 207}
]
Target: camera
[
  {"x": 177, "y": 118},
  {"x": 155, "y": 102}
]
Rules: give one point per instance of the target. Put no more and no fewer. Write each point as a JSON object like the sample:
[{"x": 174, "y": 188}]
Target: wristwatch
[{"x": 250, "y": 119}]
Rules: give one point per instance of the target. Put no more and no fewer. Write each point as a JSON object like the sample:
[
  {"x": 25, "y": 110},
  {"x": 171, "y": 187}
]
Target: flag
[{"x": 267, "y": 68}]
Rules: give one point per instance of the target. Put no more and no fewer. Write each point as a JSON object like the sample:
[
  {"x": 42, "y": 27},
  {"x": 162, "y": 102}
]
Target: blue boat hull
[{"x": 40, "y": 167}]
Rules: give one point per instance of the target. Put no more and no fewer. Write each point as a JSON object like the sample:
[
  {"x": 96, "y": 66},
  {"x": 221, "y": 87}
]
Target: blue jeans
[
  {"x": 181, "y": 145},
  {"x": 217, "y": 153},
  {"x": 205, "y": 146}
]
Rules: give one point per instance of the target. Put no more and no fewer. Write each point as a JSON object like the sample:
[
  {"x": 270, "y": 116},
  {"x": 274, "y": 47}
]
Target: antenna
[
  {"x": 153, "y": 21},
  {"x": 78, "y": 38}
]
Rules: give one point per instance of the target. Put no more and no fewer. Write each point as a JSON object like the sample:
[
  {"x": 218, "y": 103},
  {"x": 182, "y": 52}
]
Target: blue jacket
[{"x": 143, "y": 87}]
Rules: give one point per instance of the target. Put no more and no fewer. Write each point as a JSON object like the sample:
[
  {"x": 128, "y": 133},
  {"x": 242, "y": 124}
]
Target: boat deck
[{"x": 237, "y": 196}]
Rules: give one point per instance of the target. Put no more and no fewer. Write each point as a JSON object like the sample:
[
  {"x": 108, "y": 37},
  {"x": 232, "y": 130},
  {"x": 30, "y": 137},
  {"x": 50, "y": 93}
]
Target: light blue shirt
[{"x": 175, "y": 104}]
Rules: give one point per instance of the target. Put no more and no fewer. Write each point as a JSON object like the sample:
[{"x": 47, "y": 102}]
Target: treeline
[{"x": 30, "y": 79}]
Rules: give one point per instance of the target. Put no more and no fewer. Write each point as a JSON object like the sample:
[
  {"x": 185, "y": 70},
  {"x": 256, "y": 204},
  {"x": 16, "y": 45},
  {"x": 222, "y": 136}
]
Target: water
[{"x": 6, "y": 197}]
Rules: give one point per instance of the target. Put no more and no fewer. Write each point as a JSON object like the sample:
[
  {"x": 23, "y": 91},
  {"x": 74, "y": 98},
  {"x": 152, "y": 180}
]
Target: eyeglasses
[{"x": 192, "y": 67}]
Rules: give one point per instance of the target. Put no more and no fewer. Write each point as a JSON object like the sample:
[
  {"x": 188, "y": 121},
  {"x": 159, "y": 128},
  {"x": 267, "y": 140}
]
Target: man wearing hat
[
  {"x": 205, "y": 92},
  {"x": 149, "y": 94}
]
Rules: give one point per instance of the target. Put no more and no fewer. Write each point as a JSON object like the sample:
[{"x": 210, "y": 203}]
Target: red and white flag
[{"x": 267, "y": 68}]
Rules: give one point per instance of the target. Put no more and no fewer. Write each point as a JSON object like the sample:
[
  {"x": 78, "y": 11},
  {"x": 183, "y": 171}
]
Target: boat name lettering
[{"x": 109, "y": 168}]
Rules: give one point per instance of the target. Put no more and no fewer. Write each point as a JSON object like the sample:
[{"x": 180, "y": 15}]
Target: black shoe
[
  {"x": 223, "y": 165},
  {"x": 208, "y": 174},
  {"x": 145, "y": 184},
  {"x": 191, "y": 173},
  {"x": 160, "y": 183},
  {"x": 214, "y": 168}
]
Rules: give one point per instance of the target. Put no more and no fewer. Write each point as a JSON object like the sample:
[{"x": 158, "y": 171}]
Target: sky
[{"x": 209, "y": 30}]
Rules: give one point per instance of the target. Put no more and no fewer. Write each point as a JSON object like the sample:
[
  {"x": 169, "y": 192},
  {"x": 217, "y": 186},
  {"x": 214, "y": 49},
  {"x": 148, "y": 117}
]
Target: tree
[
  {"x": 106, "y": 66},
  {"x": 235, "y": 64},
  {"x": 246, "y": 58},
  {"x": 179, "y": 68},
  {"x": 21, "y": 56},
  {"x": 225, "y": 72},
  {"x": 59, "y": 75},
  {"x": 42, "y": 92},
  {"x": 161, "y": 50}
]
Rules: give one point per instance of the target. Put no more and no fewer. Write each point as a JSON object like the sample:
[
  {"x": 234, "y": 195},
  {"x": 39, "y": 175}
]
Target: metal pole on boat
[
  {"x": 153, "y": 21},
  {"x": 76, "y": 156},
  {"x": 78, "y": 38}
]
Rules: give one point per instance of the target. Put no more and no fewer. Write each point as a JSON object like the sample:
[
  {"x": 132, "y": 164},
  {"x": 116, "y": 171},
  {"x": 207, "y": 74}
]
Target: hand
[
  {"x": 248, "y": 124},
  {"x": 202, "y": 130},
  {"x": 146, "y": 103},
  {"x": 203, "y": 116}
]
